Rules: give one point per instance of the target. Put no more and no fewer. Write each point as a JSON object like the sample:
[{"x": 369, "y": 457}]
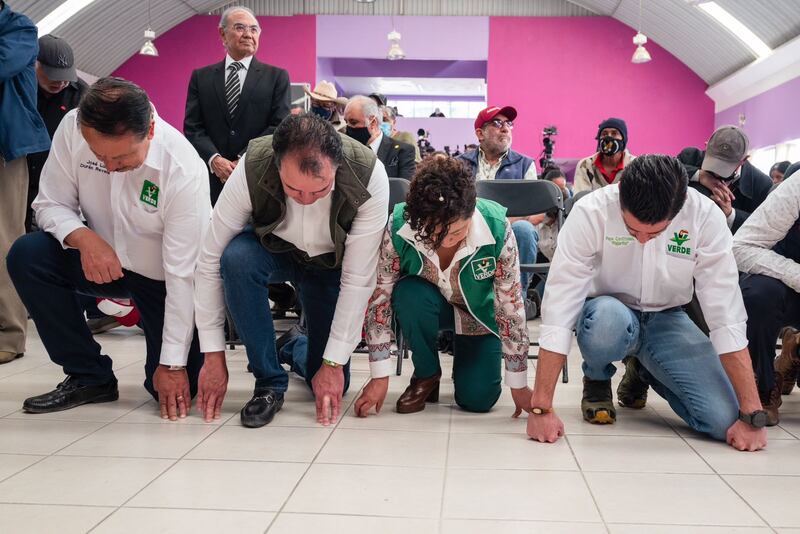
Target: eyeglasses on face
[
  {"x": 242, "y": 28},
  {"x": 497, "y": 123}
]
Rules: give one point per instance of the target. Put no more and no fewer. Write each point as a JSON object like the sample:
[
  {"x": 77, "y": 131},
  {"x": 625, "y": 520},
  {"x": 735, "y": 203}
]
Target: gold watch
[
  {"x": 541, "y": 411},
  {"x": 330, "y": 363}
]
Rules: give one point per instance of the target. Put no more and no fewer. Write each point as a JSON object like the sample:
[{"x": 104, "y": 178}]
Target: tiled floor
[{"x": 118, "y": 467}]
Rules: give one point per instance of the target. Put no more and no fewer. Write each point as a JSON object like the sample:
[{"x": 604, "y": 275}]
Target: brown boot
[
  {"x": 788, "y": 363},
  {"x": 771, "y": 401},
  {"x": 418, "y": 392}
]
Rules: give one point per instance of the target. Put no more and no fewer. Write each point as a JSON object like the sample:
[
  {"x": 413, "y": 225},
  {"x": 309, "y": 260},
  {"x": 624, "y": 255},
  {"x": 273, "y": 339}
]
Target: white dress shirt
[
  {"x": 242, "y": 73},
  {"x": 376, "y": 144},
  {"x": 307, "y": 228},
  {"x": 596, "y": 255},
  {"x": 156, "y": 235}
]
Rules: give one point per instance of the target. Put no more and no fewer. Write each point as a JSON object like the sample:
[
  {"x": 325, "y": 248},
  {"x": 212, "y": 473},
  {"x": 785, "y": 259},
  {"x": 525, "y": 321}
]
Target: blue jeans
[
  {"x": 527, "y": 237},
  {"x": 51, "y": 284},
  {"x": 247, "y": 268},
  {"x": 679, "y": 361}
]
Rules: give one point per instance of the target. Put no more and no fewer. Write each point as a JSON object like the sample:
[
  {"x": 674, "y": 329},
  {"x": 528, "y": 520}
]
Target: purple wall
[
  {"x": 456, "y": 38},
  {"x": 772, "y": 117},
  {"x": 195, "y": 43},
  {"x": 576, "y": 71},
  {"x": 409, "y": 68}
]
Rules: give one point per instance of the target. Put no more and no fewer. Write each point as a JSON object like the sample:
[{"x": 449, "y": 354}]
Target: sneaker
[
  {"x": 632, "y": 390},
  {"x": 531, "y": 310},
  {"x": 788, "y": 363},
  {"x": 102, "y": 324},
  {"x": 771, "y": 401},
  {"x": 597, "y": 403}
]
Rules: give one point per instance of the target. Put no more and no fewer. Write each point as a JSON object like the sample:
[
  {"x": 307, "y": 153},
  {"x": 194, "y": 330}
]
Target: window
[
  {"x": 456, "y": 109},
  {"x": 766, "y": 157}
]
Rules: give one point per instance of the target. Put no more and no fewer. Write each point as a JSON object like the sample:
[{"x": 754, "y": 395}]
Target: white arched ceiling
[{"x": 108, "y": 32}]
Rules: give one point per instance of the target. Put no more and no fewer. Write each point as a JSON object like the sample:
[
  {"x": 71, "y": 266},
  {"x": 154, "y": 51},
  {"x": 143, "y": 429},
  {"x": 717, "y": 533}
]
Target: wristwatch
[
  {"x": 756, "y": 419},
  {"x": 541, "y": 411},
  {"x": 330, "y": 363}
]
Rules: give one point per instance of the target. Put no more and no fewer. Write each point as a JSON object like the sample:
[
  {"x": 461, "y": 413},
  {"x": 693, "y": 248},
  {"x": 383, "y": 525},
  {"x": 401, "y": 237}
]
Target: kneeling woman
[{"x": 448, "y": 261}]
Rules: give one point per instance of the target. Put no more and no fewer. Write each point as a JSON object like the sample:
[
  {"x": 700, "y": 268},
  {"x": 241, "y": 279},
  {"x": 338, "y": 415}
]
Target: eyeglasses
[
  {"x": 497, "y": 123},
  {"x": 242, "y": 28}
]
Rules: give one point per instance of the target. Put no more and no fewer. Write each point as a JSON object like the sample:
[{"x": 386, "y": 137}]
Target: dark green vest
[
  {"x": 476, "y": 273},
  {"x": 269, "y": 200}
]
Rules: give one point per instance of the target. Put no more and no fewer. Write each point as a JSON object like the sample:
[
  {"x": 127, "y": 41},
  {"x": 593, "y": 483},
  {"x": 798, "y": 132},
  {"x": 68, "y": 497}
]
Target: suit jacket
[
  {"x": 263, "y": 104},
  {"x": 397, "y": 157}
]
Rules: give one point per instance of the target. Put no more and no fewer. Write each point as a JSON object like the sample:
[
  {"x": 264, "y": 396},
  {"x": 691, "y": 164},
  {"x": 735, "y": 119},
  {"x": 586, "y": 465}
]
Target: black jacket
[
  {"x": 397, "y": 157},
  {"x": 750, "y": 191},
  {"x": 263, "y": 104}
]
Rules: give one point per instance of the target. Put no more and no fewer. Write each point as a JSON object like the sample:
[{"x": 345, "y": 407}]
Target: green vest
[
  {"x": 269, "y": 200},
  {"x": 476, "y": 272}
]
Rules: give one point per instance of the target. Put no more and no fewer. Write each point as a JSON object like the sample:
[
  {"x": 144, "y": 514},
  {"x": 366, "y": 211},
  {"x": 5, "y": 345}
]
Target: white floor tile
[
  {"x": 434, "y": 418},
  {"x": 268, "y": 443},
  {"x": 684, "y": 529},
  {"x": 230, "y": 485},
  {"x": 150, "y": 413},
  {"x": 462, "y": 526},
  {"x": 385, "y": 447},
  {"x": 369, "y": 490},
  {"x": 289, "y": 523},
  {"x": 781, "y": 457},
  {"x": 645, "y": 422},
  {"x": 40, "y": 436},
  {"x": 632, "y": 454},
  {"x": 498, "y": 421},
  {"x": 522, "y": 495},
  {"x": 669, "y": 499},
  {"x": 11, "y": 464},
  {"x": 507, "y": 451},
  {"x": 49, "y": 518},
  {"x": 81, "y": 481},
  {"x": 775, "y": 498},
  {"x": 102, "y": 413},
  {"x": 166, "y": 521}
]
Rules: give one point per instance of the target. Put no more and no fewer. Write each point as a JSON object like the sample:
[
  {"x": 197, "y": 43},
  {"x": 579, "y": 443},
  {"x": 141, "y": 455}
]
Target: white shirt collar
[
  {"x": 479, "y": 234},
  {"x": 376, "y": 144},
  {"x": 156, "y": 148},
  {"x": 244, "y": 61}
]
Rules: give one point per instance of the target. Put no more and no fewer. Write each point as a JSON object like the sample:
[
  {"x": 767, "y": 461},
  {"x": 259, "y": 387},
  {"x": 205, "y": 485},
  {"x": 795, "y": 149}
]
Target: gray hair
[
  {"x": 223, "y": 22},
  {"x": 390, "y": 113},
  {"x": 368, "y": 107}
]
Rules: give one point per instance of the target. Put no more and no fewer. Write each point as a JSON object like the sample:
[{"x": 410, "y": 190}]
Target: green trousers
[{"x": 421, "y": 311}]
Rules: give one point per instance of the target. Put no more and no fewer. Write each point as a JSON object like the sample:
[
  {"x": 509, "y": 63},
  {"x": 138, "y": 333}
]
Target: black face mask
[
  {"x": 608, "y": 146},
  {"x": 361, "y": 135},
  {"x": 324, "y": 113}
]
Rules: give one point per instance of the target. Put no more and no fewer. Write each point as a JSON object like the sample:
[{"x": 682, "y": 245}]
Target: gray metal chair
[
  {"x": 570, "y": 202},
  {"x": 523, "y": 198}
]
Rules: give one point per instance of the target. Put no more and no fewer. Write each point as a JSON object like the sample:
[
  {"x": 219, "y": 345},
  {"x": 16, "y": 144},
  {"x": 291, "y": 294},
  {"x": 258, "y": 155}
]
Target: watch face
[{"x": 758, "y": 419}]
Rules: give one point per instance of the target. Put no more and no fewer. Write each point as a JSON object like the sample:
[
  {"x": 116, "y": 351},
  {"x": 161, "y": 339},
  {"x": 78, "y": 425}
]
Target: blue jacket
[
  {"x": 513, "y": 167},
  {"x": 22, "y": 130}
]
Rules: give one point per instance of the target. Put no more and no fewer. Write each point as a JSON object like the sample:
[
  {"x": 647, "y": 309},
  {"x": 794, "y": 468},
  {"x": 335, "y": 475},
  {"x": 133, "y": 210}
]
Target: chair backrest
[
  {"x": 523, "y": 197},
  {"x": 570, "y": 202},
  {"x": 398, "y": 190}
]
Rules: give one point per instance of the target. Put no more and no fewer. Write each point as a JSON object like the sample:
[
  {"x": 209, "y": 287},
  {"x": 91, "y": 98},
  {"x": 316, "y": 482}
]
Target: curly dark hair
[{"x": 442, "y": 191}]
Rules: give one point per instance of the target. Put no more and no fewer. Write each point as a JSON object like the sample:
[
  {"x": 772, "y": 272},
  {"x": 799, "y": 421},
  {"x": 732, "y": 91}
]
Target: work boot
[
  {"x": 597, "y": 403},
  {"x": 632, "y": 390},
  {"x": 771, "y": 401},
  {"x": 788, "y": 363}
]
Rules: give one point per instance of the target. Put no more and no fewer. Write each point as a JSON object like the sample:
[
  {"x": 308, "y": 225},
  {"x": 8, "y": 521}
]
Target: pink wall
[
  {"x": 286, "y": 42},
  {"x": 576, "y": 71}
]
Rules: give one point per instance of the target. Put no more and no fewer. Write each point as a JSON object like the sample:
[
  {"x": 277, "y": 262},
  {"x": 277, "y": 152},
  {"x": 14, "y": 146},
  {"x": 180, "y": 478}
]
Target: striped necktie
[{"x": 232, "y": 88}]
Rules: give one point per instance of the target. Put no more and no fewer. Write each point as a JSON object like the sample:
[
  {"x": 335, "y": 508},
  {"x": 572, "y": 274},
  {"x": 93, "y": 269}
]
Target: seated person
[
  {"x": 389, "y": 127},
  {"x": 324, "y": 102},
  {"x": 605, "y": 166},
  {"x": 364, "y": 119},
  {"x": 282, "y": 218},
  {"x": 448, "y": 261},
  {"x": 778, "y": 170},
  {"x": 767, "y": 250},
  {"x": 143, "y": 191},
  {"x": 626, "y": 261}
]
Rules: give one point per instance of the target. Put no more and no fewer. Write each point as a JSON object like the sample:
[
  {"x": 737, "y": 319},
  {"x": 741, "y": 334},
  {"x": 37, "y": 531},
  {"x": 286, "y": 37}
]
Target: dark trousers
[
  {"x": 770, "y": 306},
  {"x": 50, "y": 280},
  {"x": 247, "y": 269}
]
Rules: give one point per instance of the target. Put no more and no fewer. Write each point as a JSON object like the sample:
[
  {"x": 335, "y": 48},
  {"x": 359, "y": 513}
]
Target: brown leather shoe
[
  {"x": 771, "y": 401},
  {"x": 418, "y": 392},
  {"x": 788, "y": 363}
]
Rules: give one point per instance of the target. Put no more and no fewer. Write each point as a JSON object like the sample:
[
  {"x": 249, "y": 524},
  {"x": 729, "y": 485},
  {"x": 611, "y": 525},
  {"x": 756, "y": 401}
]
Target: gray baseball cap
[
  {"x": 56, "y": 59},
  {"x": 725, "y": 151}
]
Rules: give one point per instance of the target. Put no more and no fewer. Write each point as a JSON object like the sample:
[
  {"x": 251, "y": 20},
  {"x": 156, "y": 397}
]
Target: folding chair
[
  {"x": 523, "y": 198},
  {"x": 570, "y": 202}
]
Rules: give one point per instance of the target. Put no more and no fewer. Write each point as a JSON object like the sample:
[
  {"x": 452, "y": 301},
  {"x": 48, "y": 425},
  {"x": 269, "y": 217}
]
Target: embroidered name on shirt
[
  {"x": 619, "y": 240},
  {"x": 94, "y": 166},
  {"x": 675, "y": 245},
  {"x": 483, "y": 268},
  {"x": 149, "y": 193}
]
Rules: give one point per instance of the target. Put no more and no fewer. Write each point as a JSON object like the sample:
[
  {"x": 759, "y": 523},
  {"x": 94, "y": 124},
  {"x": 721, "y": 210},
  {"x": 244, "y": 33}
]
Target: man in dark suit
[
  {"x": 364, "y": 119},
  {"x": 233, "y": 101}
]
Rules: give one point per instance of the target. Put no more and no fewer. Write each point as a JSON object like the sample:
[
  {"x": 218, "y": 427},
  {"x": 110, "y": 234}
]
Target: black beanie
[
  {"x": 791, "y": 169},
  {"x": 613, "y": 122}
]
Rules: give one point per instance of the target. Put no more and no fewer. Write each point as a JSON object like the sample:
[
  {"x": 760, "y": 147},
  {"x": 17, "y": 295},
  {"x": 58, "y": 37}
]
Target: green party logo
[
  {"x": 676, "y": 247},
  {"x": 149, "y": 193},
  {"x": 483, "y": 268}
]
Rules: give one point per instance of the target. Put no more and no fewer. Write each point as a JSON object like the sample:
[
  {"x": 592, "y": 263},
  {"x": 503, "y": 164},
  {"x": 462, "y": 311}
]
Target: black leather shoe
[
  {"x": 293, "y": 333},
  {"x": 69, "y": 394},
  {"x": 261, "y": 409}
]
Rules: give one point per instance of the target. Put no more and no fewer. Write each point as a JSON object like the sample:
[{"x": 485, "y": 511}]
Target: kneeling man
[
  {"x": 142, "y": 190},
  {"x": 625, "y": 264},
  {"x": 306, "y": 205}
]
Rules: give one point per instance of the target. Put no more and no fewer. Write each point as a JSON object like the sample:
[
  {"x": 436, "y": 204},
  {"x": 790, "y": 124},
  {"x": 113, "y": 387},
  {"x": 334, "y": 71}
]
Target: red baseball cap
[{"x": 489, "y": 113}]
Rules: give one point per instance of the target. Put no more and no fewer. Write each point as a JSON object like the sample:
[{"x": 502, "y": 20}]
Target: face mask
[
  {"x": 325, "y": 114},
  {"x": 386, "y": 128},
  {"x": 361, "y": 135},
  {"x": 608, "y": 146}
]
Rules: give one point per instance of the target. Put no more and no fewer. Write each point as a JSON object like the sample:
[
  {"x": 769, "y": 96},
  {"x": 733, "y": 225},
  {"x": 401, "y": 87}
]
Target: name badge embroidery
[
  {"x": 483, "y": 268},
  {"x": 619, "y": 240},
  {"x": 149, "y": 193},
  {"x": 676, "y": 246}
]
